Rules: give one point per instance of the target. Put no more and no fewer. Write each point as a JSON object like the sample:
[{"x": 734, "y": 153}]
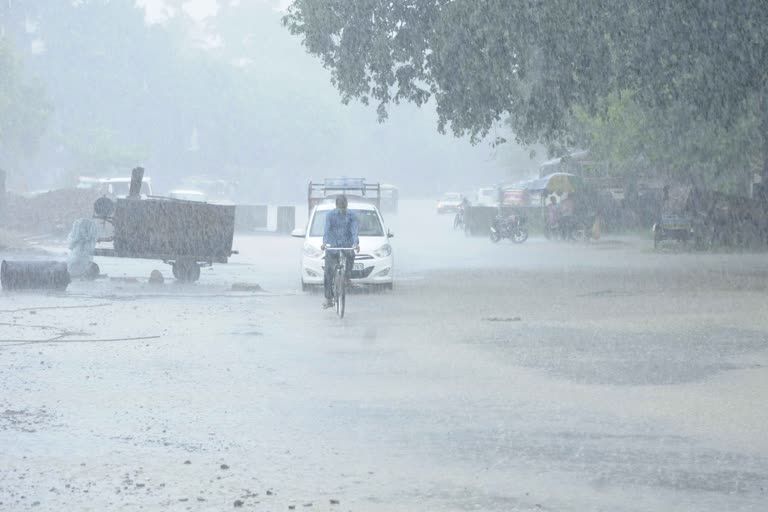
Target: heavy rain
[{"x": 384, "y": 255}]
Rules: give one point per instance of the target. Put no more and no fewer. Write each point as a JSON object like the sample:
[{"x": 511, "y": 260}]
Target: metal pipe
[{"x": 25, "y": 275}]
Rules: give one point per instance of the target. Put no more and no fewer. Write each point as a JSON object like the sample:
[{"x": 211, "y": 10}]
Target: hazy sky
[
  {"x": 202, "y": 11},
  {"x": 298, "y": 129},
  {"x": 158, "y": 11}
]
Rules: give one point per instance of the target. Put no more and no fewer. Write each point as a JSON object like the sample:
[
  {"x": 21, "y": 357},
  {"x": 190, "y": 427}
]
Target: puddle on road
[{"x": 627, "y": 358}]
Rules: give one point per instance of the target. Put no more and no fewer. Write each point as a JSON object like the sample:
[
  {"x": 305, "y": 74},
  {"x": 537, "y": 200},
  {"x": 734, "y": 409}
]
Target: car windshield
[
  {"x": 369, "y": 223},
  {"x": 452, "y": 197}
]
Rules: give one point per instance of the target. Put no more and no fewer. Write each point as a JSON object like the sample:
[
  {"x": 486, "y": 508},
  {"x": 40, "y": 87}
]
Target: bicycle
[
  {"x": 340, "y": 280},
  {"x": 458, "y": 220}
]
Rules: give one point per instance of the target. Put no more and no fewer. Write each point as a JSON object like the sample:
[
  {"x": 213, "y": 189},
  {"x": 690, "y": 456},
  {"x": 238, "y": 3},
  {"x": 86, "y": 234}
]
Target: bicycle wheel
[{"x": 340, "y": 294}]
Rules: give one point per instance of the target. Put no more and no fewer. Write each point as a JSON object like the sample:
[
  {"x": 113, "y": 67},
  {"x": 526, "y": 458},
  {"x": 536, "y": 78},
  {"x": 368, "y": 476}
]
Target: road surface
[{"x": 543, "y": 377}]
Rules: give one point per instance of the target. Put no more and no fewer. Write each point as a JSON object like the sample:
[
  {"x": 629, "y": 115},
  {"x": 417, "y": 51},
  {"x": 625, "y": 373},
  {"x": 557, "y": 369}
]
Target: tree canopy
[
  {"x": 24, "y": 109},
  {"x": 535, "y": 64},
  {"x": 233, "y": 95},
  {"x": 630, "y": 139}
]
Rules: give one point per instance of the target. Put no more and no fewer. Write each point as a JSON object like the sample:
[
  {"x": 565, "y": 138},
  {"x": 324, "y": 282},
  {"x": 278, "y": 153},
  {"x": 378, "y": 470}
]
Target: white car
[
  {"x": 115, "y": 187},
  {"x": 187, "y": 195},
  {"x": 120, "y": 187},
  {"x": 449, "y": 203},
  {"x": 374, "y": 264}
]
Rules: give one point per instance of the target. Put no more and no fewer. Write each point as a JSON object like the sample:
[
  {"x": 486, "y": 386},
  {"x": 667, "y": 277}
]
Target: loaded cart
[{"x": 184, "y": 234}]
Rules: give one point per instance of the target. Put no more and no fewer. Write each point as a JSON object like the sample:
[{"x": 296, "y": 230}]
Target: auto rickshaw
[{"x": 675, "y": 221}]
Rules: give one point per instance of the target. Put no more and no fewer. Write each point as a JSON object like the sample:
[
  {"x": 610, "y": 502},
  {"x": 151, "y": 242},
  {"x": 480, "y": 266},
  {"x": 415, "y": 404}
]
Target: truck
[
  {"x": 355, "y": 189},
  {"x": 390, "y": 198}
]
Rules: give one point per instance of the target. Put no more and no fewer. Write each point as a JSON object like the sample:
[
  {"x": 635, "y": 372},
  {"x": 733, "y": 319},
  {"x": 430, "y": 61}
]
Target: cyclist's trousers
[{"x": 331, "y": 258}]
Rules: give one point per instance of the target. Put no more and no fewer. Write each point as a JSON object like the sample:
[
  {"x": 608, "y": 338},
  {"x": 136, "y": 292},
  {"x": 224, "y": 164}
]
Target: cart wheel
[
  {"x": 93, "y": 271},
  {"x": 187, "y": 271}
]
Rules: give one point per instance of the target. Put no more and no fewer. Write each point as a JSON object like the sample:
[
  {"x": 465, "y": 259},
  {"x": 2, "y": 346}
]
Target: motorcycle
[
  {"x": 552, "y": 230},
  {"x": 509, "y": 226}
]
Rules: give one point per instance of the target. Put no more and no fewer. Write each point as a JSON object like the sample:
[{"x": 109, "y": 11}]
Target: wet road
[{"x": 545, "y": 376}]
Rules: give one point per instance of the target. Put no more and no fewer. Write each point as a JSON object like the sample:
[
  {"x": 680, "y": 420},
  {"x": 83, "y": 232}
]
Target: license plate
[{"x": 357, "y": 267}]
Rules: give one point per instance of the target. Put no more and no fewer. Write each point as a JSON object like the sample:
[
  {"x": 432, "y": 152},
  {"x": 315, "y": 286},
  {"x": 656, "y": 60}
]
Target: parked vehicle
[
  {"x": 510, "y": 226},
  {"x": 675, "y": 221},
  {"x": 115, "y": 188},
  {"x": 187, "y": 195},
  {"x": 355, "y": 189},
  {"x": 390, "y": 198},
  {"x": 487, "y": 196},
  {"x": 449, "y": 203},
  {"x": 585, "y": 229},
  {"x": 672, "y": 228},
  {"x": 214, "y": 190}
]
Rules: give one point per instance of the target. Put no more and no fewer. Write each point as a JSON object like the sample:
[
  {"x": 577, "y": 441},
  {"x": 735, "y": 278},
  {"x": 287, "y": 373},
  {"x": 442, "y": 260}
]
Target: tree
[
  {"x": 99, "y": 152},
  {"x": 631, "y": 139},
  {"x": 534, "y": 62},
  {"x": 24, "y": 110},
  {"x": 257, "y": 101}
]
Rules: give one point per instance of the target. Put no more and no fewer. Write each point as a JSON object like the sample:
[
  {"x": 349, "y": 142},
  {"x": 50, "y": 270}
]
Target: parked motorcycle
[
  {"x": 509, "y": 226},
  {"x": 573, "y": 229},
  {"x": 552, "y": 231}
]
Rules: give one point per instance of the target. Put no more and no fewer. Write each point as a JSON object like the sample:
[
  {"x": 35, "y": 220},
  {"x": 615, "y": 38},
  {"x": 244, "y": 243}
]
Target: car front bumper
[{"x": 375, "y": 270}]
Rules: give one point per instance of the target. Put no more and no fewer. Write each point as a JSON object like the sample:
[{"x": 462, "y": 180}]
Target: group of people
[{"x": 561, "y": 217}]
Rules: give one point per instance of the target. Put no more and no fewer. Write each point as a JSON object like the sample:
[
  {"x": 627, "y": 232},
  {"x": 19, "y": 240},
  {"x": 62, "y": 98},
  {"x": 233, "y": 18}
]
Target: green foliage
[
  {"x": 257, "y": 102},
  {"x": 100, "y": 152},
  {"x": 633, "y": 139},
  {"x": 24, "y": 110},
  {"x": 481, "y": 60},
  {"x": 700, "y": 67}
]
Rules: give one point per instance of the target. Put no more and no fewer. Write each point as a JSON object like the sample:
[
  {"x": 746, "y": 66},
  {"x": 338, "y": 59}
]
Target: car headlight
[
  {"x": 311, "y": 251},
  {"x": 383, "y": 251}
]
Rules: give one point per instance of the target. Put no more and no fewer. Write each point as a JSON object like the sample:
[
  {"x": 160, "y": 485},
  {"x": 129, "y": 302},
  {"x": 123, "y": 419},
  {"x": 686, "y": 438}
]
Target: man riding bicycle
[{"x": 340, "y": 231}]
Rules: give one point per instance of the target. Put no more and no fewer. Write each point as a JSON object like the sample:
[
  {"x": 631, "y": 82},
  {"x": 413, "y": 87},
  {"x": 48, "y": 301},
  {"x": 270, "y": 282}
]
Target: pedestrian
[
  {"x": 553, "y": 215},
  {"x": 567, "y": 209}
]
